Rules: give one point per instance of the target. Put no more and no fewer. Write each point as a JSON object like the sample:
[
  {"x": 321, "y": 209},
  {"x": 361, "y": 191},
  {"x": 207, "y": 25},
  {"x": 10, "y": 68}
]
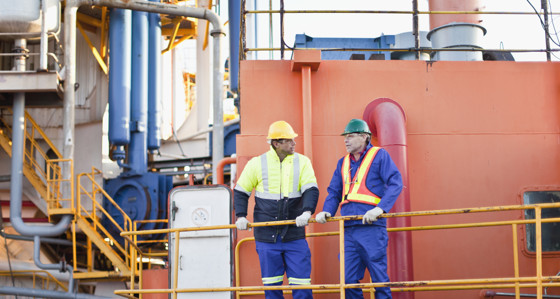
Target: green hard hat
[{"x": 356, "y": 126}]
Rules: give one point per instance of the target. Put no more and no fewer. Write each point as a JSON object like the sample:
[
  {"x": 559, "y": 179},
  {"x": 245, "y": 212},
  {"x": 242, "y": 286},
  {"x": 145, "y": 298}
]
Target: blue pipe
[
  {"x": 154, "y": 80},
  {"x": 137, "y": 150},
  {"x": 119, "y": 79},
  {"x": 234, "y": 14}
]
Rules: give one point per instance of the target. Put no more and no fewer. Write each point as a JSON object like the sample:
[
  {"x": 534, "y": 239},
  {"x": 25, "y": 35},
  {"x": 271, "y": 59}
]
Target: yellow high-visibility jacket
[{"x": 283, "y": 190}]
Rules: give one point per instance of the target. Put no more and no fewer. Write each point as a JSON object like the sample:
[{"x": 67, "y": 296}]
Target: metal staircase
[{"x": 44, "y": 172}]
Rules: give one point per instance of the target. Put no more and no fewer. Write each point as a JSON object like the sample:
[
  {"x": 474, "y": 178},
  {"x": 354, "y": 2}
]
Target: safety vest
[
  {"x": 274, "y": 180},
  {"x": 355, "y": 189}
]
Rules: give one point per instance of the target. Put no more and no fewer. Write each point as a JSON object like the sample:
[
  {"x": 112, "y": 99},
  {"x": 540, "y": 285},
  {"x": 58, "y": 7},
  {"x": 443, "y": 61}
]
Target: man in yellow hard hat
[{"x": 285, "y": 189}]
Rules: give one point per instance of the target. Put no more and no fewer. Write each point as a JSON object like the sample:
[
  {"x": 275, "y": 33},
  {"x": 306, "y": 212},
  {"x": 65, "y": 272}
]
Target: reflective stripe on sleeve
[
  {"x": 241, "y": 189},
  {"x": 307, "y": 186}
]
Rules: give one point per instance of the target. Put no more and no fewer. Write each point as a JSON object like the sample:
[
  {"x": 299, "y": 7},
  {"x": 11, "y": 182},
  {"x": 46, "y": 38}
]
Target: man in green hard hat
[{"x": 366, "y": 182}]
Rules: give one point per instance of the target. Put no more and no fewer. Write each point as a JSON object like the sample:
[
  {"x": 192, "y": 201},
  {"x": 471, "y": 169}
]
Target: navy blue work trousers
[
  {"x": 365, "y": 246},
  {"x": 293, "y": 258}
]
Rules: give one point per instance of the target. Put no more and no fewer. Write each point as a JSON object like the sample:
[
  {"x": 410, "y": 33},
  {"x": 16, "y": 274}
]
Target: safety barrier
[
  {"x": 516, "y": 282},
  {"x": 42, "y": 164},
  {"x": 89, "y": 218}
]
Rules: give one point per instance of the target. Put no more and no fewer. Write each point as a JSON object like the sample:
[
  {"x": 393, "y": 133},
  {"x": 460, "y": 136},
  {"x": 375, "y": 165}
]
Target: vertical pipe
[
  {"x": 218, "y": 93},
  {"x": 415, "y": 29},
  {"x": 437, "y": 20},
  {"x": 387, "y": 121},
  {"x": 234, "y": 14},
  {"x": 119, "y": 79},
  {"x": 544, "y": 6},
  {"x": 44, "y": 40},
  {"x": 69, "y": 113},
  {"x": 16, "y": 181},
  {"x": 137, "y": 156},
  {"x": 62, "y": 267},
  {"x": 307, "y": 111},
  {"x": 154, "y": 80}
]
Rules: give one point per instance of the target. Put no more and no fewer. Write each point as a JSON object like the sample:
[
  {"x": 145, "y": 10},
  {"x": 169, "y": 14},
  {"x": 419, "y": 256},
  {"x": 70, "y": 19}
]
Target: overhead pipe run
[
  {"x": 387, "y": 121},
  {"x": 146, "y": 6}
]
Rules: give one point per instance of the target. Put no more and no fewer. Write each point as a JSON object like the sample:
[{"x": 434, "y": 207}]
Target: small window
[{"x": 550, "y": 235}]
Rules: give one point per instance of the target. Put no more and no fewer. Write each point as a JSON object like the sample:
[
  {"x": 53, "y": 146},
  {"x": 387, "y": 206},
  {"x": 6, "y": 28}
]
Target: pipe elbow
[
  {"x": 43, "y": 231},
  {"x": 387, "y": 121}
]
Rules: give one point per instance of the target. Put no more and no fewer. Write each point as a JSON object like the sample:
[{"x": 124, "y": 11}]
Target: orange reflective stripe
[{"x": 355, "y": 189}]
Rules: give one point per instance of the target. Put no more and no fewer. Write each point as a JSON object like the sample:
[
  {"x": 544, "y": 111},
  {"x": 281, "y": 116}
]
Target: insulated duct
[{"x": 387, "y": 121}]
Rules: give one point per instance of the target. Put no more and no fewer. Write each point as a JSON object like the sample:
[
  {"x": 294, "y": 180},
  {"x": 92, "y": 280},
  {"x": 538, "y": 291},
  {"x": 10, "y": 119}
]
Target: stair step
[{"x": 104, "y": 247}]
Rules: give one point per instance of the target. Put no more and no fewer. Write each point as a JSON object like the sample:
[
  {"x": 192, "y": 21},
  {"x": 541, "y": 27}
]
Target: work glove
[
  {"x": 322, "y": 217},
  {"x": 302, "y": 219},
  {"x": 372, "y": 215},
  {"x": 242, "y": 223}
]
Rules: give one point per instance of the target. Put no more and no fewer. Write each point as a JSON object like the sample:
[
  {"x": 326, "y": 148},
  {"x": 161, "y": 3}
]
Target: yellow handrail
[
  {"x": 515, "y": 282},
  {"x": 44, "y": 277},
  {"x": 46, "y": 178},
  {"x": 92, "y": 215}
]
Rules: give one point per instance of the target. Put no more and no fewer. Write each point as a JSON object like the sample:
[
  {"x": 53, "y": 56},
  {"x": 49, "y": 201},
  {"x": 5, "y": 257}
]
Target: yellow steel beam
[
  {"x": 104, "y": 23},
  {"x": 89, "y": 20},
  {"x": 93, "y": 49},
  {"x": 181, "y": 32},
  {"x": 176, "y": 24}
]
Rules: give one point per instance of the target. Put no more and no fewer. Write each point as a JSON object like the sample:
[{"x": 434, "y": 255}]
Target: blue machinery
[{"x": 134, "y": 94}]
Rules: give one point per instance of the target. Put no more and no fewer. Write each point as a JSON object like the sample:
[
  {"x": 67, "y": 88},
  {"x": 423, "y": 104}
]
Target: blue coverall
[{"x": 366, "y": 245}]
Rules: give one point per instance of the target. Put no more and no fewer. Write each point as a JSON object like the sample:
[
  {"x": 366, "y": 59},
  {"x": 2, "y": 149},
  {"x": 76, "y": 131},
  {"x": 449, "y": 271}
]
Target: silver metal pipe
[
  {"x": 44, "y": 38},
  {"x": 498, "y": 294},
  {"x": 62, "y": 267},
  {"x": 18, "y": 138},
  {"x": 40, "y": 293},
  {"x": 44, "y": 240},
  {"x": 218, "y": 111}
]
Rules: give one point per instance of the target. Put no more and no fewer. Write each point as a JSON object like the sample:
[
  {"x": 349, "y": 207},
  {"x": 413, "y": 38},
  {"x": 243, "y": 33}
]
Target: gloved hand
[
  {"x": 371, "y": 215},
  {"x": 322, "y": 217},
  {"x": 242, "y": 223},
  {"x": 302, "y": 219}
]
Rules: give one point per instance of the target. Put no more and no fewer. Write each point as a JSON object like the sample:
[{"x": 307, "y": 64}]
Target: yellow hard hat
[{"x": 281, "y": 130}]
